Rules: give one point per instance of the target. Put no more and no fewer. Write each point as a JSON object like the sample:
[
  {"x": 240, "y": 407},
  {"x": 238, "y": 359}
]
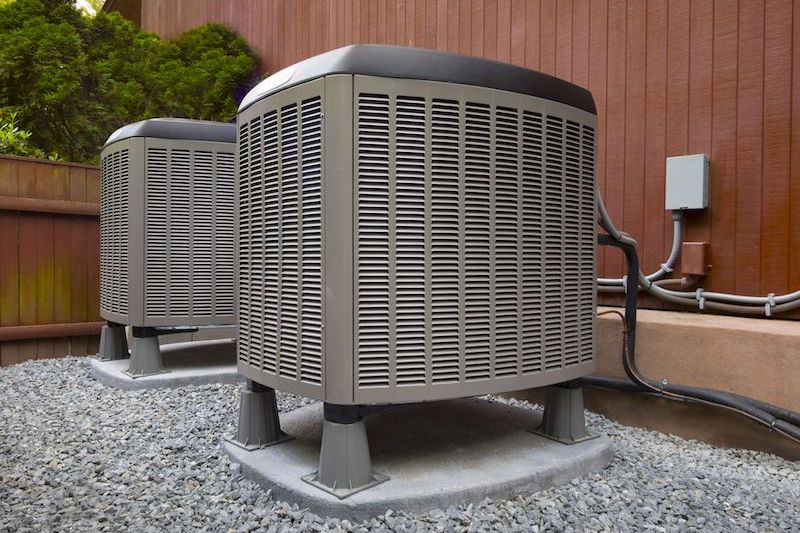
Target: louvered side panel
[
  {"x": 262, "y": 353},
  {"x": 105, "y": 266},
  {"x": 588, "y": 276},
  {"x": 372, "y": 246},
  {"x": 280, "y": 243},
  {"x": 553, "y": 242},
  {"x": 572, "y": 243},
  {"x": 114, "y": 226},
  {"x": 157, "y": 261},
  {"x": 265, "y": 230},
  {"x": 247, "y": 320},
  {"x": 486, "y": 280},
  {"x": 532, "y": 312},
  {"x": 506, "y": 241},
  {"x": 180, "y": 234},
  {"x": 123, "y": 215},
  {"x": 477, "y": 191},
  {"x": 445, "y": 192},
  {"x": 202, "y": 228},
  {"x": 311, "y": 241},
  {"x": 290, "y": 244},
  {"x": 410, "y": 208},
  {"x": 224, "y": 235}
]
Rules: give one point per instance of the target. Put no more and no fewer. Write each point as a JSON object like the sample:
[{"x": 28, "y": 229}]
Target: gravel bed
[{"x": 78, "y": 456}]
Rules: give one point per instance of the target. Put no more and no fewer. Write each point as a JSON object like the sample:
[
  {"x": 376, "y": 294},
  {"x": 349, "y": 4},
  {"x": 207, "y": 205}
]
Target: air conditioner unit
[
  {"x": 167, "y": 230},
  {"x": 414, "y": 226}
]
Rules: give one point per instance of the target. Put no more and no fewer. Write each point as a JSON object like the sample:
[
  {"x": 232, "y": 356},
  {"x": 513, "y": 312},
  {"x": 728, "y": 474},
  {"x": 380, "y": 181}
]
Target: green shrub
[
  {"x": 16, "y": 141},
  {"x": 72, "y": 80}
]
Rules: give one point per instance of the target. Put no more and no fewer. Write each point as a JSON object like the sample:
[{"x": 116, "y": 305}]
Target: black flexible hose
[
  {"x": 621, "y": 384},
  {"x": 739, "y": 404}
]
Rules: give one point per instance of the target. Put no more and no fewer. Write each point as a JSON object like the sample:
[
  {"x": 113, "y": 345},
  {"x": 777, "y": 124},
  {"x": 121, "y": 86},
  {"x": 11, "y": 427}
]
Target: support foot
[
  {"x": 563, "y": 418},
  {"x": 345, "y": 467},
  {"x": 259, "y": 425},
  {"x": 145, "y": 354},
  {"x": 113, "y": 342}
]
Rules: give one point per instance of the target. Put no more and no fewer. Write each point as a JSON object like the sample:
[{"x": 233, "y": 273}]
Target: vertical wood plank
[
  {"x": 533, "y": 17},
  {"x": 45, "y": 258},
  {"x": 655, "y": 136},
  {"x": 723, "y": 146},
  {"x": 749, "y": 155},
  {"x": 9, "y": 283},
  {"x": 464, "y": 28},
  {"x": 564, "y": 40},
  {"x": 701, "y": 49},
  {"x": 27, "y": 280},
  {"x": 794, "y": 208},
  {"x": 453, "y": 25},
  {"x": 598, "y": 78},
  {"x": 504, "y": 31},
  {"x": 62, "y": 260},
  {"x": 477, "y": 28},
  {"x": 490, "y": 29},
  {"x": 580, "y": 44},
  {"x": 391, "y": 22},
  {"x": 615, "y": 124},
  {"x": 430, "y": 24},
  {"x": 441, "y": 23},
  {"x": 635, "y": 80},
  {"x": 518, "y": 17},
  {"x": 372, "y": 22},
  {"x": 92, "y": 253},
  {"x": 678, "y": 60},
  {"x": 9, "y": 262},
  {"x": 547, "y": 37},
  {"x": 775, "y": 185}
]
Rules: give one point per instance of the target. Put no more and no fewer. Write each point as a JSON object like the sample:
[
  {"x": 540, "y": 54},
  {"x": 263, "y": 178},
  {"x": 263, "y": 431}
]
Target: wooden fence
[{"x": 49, "y": 259}]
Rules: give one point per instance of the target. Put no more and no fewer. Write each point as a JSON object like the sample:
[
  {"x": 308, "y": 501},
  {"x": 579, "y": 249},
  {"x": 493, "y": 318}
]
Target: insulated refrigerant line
[{"x": 701, "y": 299}]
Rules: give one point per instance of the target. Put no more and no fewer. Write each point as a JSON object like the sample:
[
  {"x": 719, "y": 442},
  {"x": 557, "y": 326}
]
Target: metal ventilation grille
[
  {"x": 114, "y": 208},
  {"x": 475, "y": 240},
  {"x": 280, "y": 242},
  {"x": 189, "y": 234},
  {"x": 224, "y": 224}
]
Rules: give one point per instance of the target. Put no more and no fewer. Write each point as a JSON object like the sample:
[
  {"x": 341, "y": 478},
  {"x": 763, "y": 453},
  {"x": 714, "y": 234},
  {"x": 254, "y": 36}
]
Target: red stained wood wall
[
  {"x": 49, "y": 264},
  {"x": 669, "y": 78}
]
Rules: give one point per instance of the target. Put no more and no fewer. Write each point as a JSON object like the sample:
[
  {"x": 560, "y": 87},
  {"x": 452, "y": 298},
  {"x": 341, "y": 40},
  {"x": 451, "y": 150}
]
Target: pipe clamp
[
  {"x": 700, "y": 298},
  {"x": 770, "y": 304}
]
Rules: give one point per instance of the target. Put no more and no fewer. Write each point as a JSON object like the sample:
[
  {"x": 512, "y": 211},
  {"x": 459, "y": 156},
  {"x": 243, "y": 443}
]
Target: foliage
[
  {"x": 16, "y": 141},
  {"x": 72, "y": 80}
]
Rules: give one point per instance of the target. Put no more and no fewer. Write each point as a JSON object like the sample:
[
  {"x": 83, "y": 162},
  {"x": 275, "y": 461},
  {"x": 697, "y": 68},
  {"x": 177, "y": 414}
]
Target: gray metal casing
[
  {"x": 408, "y": 240},
  {"x": 168, "y": 225}
]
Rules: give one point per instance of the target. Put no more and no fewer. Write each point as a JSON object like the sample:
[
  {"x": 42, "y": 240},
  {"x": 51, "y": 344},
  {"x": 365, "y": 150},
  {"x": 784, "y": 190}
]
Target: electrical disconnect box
[{"x": 687, "y": 182}]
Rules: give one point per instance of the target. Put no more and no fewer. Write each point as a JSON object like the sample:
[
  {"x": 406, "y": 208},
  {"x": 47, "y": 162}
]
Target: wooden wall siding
[
  {"x": 49, "y": 264},
  {"x": 669, "y": 78}
]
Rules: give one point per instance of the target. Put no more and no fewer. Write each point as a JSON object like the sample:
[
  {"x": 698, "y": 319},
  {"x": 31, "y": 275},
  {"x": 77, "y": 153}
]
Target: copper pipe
[
  {"x": 44, "y": 331},
  {"x": 55, "y": 207}
]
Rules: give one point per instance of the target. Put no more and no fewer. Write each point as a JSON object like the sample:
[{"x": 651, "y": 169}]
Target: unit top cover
[
  {"x": 177, "y": 128},
  {"x": 420, "y": 64}
]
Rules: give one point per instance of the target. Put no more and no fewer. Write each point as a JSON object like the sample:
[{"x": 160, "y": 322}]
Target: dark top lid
[
  {"x": 418, "y": 63},
  {"x": 177, "y": 128}
]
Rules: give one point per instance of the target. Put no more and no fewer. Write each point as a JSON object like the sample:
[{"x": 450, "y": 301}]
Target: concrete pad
[
  {"x": 435, "y": 454},
  {"x": 186, "y": 363}
]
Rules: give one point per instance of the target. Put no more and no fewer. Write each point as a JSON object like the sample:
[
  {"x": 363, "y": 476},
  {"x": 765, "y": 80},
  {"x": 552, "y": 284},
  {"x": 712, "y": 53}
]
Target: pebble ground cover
[{"x": 78, "y": 456}]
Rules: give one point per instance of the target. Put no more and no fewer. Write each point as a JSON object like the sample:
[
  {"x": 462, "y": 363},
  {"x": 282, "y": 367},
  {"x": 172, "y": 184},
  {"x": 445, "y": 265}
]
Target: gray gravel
[{"x": 78, "y": 456}]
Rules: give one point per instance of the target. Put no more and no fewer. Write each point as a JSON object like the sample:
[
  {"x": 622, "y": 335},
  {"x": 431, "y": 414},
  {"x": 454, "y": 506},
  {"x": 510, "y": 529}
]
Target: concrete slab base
[
  {"x": 185, "y": 363},
  {"x": 435, "y": 454}
]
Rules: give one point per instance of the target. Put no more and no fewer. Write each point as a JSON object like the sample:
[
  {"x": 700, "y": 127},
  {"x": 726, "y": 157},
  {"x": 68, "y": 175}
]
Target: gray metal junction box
[
  {"x": 415, "y": 225},
  {"x": 167, "y": 224}
]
